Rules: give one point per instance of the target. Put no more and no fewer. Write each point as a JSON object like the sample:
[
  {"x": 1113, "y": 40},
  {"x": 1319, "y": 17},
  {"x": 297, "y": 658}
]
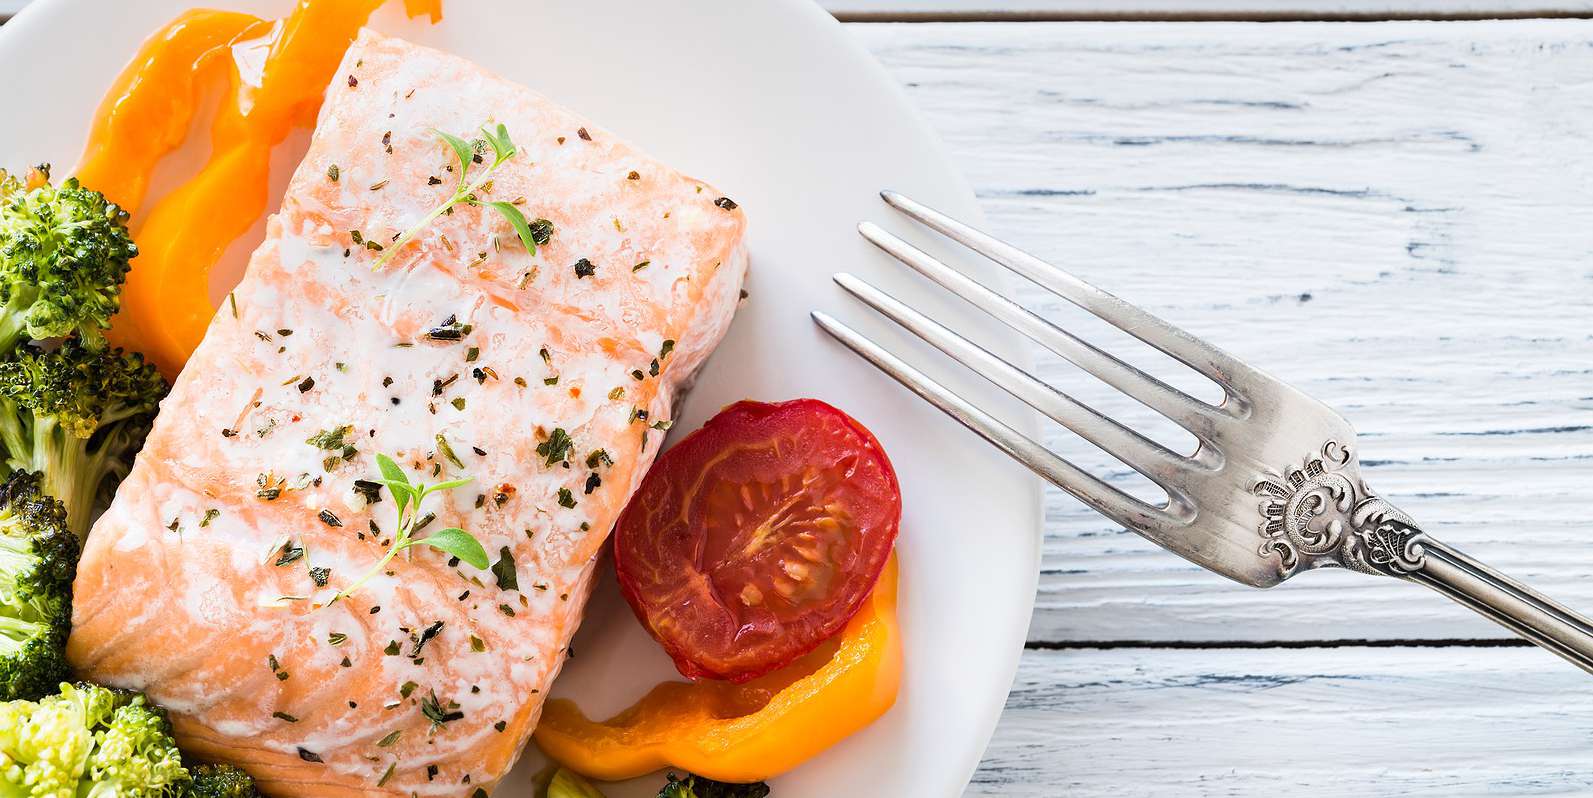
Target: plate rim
[{"x": 39, "y": 15}]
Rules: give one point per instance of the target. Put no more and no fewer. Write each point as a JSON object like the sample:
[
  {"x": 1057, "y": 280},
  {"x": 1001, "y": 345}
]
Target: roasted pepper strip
[
  {"x": 278, "y": 72},
  {"x": 148, "y": 110},
  {"x": 746, "y": 732},
  {"x": 431, "y": 8}
]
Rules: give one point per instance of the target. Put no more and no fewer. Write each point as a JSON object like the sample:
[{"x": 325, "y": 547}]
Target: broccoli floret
[
  {"x": 64, "y": 253},
  {"x": 77, "y": 416},
  {"x": 38, "y": 560},
  {"x": 557, "y": 782},
  {"x": 88, "y": 742},
  {"x": 699, "y": 787},
  {"x": 220, "y": 781}
]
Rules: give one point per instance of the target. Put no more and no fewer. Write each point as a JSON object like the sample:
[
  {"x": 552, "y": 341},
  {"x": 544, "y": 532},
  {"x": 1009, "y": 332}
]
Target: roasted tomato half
[{"x": 758, "y": 536}]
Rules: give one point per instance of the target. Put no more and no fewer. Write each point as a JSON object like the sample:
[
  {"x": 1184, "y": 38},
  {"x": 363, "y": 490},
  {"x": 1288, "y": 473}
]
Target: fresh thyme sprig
[
  {"x": 409, "y": 497},
  {"x": 503, "y": 149}
]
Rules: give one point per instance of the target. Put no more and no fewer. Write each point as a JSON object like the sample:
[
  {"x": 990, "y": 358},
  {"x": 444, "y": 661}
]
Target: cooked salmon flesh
[{"x": 546, "y": 378}]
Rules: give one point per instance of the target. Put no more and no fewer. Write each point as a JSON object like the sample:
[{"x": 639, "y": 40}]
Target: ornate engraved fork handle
[
  {"x": 1322, "y": 514},
  {"x": 1314, "y": 514}
]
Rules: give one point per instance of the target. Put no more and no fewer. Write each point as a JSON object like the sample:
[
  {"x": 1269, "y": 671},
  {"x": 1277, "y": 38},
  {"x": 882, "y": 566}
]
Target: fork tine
[
  {"x": 1176, "y": 405},
  {"x": 1103, "y": 498},
  {"x": 1140, "y": 453},
  {"x": 1220, "y": 366}
]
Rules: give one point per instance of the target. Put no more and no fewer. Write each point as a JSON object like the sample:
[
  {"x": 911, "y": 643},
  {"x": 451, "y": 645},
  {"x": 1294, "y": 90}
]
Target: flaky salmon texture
[{"x": 430, "y": 678}]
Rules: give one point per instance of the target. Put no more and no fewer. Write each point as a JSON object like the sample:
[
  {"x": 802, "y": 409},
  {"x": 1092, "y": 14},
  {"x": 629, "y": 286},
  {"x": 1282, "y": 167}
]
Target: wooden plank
[
  {"x": 1393, "y": 216},
  {"x": 1396, "y": 215},
  {"x": 865, "y": 10},
  {"x": 1168, "y": 9},
  {"x": 1326, "y": 722}
]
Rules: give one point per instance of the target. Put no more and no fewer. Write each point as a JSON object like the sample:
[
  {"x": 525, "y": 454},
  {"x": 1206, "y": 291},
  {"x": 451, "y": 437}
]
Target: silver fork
[{"x": 1274, "y": 488}]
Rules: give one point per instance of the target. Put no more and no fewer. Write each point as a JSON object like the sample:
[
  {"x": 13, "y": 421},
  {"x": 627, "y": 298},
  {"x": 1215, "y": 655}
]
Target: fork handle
[{"x": 1507, "y": 602}]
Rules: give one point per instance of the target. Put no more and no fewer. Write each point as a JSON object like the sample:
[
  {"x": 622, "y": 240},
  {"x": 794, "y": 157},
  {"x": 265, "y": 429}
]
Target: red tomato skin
[{"x": 662, "y": 537}]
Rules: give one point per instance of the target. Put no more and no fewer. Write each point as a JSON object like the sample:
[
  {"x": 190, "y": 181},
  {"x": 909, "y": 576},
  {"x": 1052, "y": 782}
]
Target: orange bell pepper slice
[
  {"x": 166, "y": 305},
  {"x": 743, "y": 732},
  {"x": 147, "y": 112}
]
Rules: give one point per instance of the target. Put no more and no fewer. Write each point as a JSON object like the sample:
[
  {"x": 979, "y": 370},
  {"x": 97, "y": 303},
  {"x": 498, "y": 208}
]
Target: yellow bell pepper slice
[{"x": 744, "y": 732}]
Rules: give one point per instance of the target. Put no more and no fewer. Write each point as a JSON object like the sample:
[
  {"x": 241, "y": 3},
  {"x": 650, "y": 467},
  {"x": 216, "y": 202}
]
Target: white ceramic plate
[{"x": 777, "y": 105}]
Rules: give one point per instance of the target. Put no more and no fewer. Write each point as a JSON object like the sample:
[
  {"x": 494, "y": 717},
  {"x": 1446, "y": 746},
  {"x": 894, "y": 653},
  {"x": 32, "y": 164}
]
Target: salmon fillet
[{"x": 463, "y": 356}]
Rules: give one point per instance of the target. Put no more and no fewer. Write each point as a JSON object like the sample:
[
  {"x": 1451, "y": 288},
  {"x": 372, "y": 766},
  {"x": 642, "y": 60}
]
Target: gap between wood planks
[
  {"x": 1462, "y": 642},
  {"x": 1102, "y": 15}
]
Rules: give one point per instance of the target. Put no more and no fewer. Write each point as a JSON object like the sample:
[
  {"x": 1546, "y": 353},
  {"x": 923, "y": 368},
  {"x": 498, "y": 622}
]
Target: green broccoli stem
[
  {"x": 14, "y": 434},
  {"x": 16, "y": 557},
  {"x": 13, "y": 323},
  {"x": 17, "y": 632},
  {"x": 72, "y": 474}
]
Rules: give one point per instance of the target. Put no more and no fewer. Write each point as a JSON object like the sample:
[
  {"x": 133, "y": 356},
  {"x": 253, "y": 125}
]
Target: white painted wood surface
[
  {"x": 1395, "y": 217},
  {"x": 1323, "y": 723},
  {"x": 1198, "y": 9},
  {"x": 873, "y": 9}
]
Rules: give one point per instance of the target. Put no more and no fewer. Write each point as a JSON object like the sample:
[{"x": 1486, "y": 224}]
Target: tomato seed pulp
[{"x": 757, "y": 537}]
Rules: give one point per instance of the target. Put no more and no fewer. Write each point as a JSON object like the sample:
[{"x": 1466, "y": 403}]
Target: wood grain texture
[
  {"x": 1322, "y": 723},
  {"x": 1201, "y": 9},
  {"x": 1095, "y": 9},
  {"x": 1394, "y": 217}
]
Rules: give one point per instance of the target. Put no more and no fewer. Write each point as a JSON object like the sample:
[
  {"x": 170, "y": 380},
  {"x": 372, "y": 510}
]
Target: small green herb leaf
[
  {"x": 450, "y": 484},
  {"x": 436, "y": 712},
  {"x": 503, "y": 569},
  {"x": 390, "y": 470},
  {"x": 402, "y": 493},
  {"x": 457, "y": 542},
  {"x": 502, "y": 147},
  {"x": 522, "y": 228},
  {"x": 329, "y": 439},
  {"x": 465, "y": 151},
  {"x": 556, "y": 448},
  {"x": 462, "y": 150},
  {"x": 448, "y": 452},
  {"x": 410, "y": 521}
]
